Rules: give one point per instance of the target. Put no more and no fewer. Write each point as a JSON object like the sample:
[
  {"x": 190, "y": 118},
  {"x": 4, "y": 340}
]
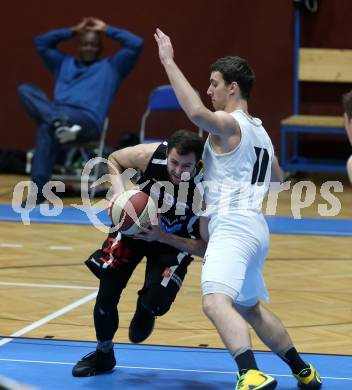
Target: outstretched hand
[{"x": 166, "y": 51}]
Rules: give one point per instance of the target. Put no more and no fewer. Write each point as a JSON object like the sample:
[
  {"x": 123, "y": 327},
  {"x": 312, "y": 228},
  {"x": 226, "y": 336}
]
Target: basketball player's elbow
[
  {"x": 114, "y": 165},
  {"x": 200, "y": 248},
  {"x": 112, "y": 159},
  {"x": 277, "y": 174}
]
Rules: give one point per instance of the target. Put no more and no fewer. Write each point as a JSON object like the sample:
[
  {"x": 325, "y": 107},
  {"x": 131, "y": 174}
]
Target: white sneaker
[{"x": 67, "y": 133}]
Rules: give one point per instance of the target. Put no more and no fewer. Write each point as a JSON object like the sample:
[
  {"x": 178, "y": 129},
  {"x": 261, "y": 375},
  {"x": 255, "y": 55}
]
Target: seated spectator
[{"x": 84, "y": 89}]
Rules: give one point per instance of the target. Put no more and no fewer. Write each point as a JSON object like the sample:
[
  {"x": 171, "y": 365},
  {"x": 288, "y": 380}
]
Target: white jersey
[{"x": 237, "y": 181}]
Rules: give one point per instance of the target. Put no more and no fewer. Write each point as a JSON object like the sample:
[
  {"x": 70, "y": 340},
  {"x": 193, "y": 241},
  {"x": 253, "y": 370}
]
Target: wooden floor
[{"x": 42, "y": 271}]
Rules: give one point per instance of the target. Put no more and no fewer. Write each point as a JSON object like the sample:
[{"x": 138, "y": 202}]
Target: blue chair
[{"x": 162, "y": 98}]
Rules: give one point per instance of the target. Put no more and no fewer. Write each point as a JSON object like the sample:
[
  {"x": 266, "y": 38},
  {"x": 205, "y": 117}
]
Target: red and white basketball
[{"x": 132, "y": 211}]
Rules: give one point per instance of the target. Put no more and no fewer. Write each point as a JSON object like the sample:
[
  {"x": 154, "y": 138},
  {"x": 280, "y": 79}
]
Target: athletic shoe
[
  {"x": 95, "y": 363},
  {"x": 255, "y": 380},
  {"x": 308, "y": 379},
  {"x": 67, "y": 134},
  {"x": 142, "y": 324},
  {"x": 65, "y": 131}
]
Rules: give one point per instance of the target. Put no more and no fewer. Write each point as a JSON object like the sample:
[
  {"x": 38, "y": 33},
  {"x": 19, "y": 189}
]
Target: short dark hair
[
  {"x": 185, "y": 142},
  {"x": 234, "y": 68},
  {"x": 347, "y": 103}
]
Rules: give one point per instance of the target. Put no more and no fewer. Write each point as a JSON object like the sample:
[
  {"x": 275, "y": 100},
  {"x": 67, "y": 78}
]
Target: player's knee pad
[{"x": 219, "y": 288}]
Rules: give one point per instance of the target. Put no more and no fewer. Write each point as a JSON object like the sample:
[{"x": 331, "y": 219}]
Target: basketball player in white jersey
[{"x": 238, "y": 158}]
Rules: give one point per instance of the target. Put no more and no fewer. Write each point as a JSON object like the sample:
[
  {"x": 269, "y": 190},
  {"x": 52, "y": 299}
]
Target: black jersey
[{"x": 176, "y": 202}]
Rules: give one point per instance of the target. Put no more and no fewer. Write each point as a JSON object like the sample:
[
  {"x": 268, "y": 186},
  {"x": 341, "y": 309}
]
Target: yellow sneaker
[
  {"x": 255, "y": 380},
  {"x": 308, "y": 379}
]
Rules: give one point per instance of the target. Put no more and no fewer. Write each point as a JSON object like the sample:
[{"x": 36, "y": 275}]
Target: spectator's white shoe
[{"x": 67, "y": 133}]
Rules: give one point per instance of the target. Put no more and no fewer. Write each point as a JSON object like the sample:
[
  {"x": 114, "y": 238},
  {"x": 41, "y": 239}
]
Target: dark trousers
[
  {"x": 47, "y": 148},
  {"x": 166, "y": 269}
]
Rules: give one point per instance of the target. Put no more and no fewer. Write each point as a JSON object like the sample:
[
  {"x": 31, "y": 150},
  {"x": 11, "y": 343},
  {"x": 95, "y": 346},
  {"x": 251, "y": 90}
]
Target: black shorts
[{"x": 114, "y": 263}]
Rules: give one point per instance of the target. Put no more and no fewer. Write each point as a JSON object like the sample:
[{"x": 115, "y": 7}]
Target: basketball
[{"x": 132, "y": 211}]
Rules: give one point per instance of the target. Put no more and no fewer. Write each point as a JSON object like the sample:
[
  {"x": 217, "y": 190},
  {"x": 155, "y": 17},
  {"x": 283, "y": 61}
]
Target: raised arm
[
  {"x": 132, "y": 45},
  {"x": 219, "y": 122},
  {"x": 45, "y": 45},
  {"x": 135, "y": 157}
]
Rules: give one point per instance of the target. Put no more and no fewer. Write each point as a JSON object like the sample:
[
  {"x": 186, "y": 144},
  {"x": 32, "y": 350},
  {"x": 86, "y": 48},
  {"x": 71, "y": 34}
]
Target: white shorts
[{"x": 235, "y": 256}]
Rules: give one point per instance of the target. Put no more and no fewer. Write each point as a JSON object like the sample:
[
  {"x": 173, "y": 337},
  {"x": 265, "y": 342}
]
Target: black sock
[
  {"x": 246, "y": 361},
  {"x": 293, "y": 359}
]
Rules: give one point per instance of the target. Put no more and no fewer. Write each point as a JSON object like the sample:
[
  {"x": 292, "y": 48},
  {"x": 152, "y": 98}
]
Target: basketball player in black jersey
[{"x": 171, "y": 170}]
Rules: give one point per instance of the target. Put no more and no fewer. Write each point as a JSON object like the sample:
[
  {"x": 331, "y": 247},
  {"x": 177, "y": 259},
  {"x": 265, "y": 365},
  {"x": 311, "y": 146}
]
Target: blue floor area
[
  {"x": 47, "y": 364},
  {"x": 87, "y": 216},
  {"x": 310, "y": 226},
  {"x": 67, "y": 215}
]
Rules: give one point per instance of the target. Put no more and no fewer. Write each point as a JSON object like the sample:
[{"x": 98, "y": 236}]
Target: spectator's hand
[
  {"x": 97, "y": 25},
  {"x": 166, "y": 51},
  {"x": 81, "y": 26}
]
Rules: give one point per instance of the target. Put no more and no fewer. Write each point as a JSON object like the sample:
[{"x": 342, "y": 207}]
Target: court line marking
[
  {"x": 60, "y": 248},
  {"x": 73, "y": 287},
  {"x": 11, "y": 245},
  {"x": 48, "y": 318},
  {"x": 162, "y": 368},
  {"x": 51, "y": 247}
]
